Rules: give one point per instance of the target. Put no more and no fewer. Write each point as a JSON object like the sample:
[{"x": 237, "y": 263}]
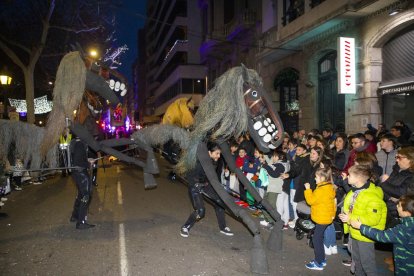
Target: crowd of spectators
[{"x": 369, "y": 175}]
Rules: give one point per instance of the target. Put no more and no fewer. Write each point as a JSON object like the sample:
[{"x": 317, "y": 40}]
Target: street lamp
[
  {"x": 93, "y": 53},
  {"x": 5, "y": 80}
]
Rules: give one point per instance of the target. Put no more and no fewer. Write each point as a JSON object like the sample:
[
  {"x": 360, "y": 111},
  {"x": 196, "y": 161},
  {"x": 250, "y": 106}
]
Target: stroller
[{"x": 305, "y": 226}]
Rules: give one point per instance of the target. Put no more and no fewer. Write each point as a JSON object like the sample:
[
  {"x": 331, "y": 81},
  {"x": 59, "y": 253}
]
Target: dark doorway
[
  {"x": 286, "y": 82},
  {"x": 331, "y": 105}
]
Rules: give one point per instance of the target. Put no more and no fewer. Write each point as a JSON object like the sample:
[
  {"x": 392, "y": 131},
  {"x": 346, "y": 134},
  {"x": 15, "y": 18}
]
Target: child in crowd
[
  {"x": 242, "y": 160},
  {"x": 251, "y": 169},
  {"x": 263, "y": 181},
  {"x": 17, "y": 174},
  {"x": 364, "y": 202},
  {"x": 274, "y": 188},
  {"x": 229, "y": 179},
  {"x": 329, "y": 239},
  {"x": 402, "y": 236},
  {"x": 323, "y": 209}
]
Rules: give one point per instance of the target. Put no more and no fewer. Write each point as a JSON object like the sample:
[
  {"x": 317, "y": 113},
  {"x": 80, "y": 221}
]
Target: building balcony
[
  {"x": 312, "y": 19},
  {"x": 218, "y": 43}
]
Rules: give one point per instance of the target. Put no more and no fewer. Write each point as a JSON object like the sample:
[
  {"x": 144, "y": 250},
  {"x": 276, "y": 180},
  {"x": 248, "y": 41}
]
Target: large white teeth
[
  {"x": 270, "y": 129},
  {"x": 262, "y": 131},
  {"x": 257, "y": 125},
  {"x": 266, "y": 123},
  {"x": 268, "y": 120},
  {"x": 271, "y": 146},
  {"x": 267, "y": 138},
  {"x": 273, "y": 125}
]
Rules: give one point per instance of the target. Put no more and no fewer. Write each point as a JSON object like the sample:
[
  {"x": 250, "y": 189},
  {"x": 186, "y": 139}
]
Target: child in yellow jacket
[{"x": 323, "y": 209}]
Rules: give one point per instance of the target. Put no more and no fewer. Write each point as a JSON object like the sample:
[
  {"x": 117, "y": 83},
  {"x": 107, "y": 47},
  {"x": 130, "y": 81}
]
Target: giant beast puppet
[
  {"x": 78, "y": 86},
  {"x": 236, "y": 104}
]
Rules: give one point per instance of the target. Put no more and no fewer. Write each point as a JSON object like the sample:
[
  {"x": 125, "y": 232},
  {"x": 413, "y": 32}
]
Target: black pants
[
  {"x": 94, "y": 173},
  {"x": 63, "y": 161},
  {"x": 196, "y": 196},
  {"x": 83, "y": 198},
  {"x": 317, "y": 239}
]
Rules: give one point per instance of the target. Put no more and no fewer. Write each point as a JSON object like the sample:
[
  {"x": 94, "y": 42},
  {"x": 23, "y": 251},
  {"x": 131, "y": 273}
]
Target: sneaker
[
  {"x": 264, "y": 223},
  {"x": 4, "y": 199},
  {"x": 314, "y": 266},
  {"x": 323, "y": 263},
  {"x": 285, "y": 227},
  {"x": 226, "y": 231},
  {"x": 347, "y": 262},
  {"x": 327, "y": 250},
  {"x": 37, "y": 182},
  {"x": 334, "y": 249},
  {"x": 292, "y": 223},
  {"x": 17, "y": 188},
  {"x": 1, "y": 203},
  {"x": 184, "y": 232}
]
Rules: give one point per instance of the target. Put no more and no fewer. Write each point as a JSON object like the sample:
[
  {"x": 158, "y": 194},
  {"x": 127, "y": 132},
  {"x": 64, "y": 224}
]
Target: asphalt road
[{"x": 137, "y": 233}]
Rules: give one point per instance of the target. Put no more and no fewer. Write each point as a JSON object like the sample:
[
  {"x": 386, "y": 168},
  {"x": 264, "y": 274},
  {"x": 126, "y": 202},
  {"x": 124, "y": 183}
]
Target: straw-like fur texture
[
  {"x": 67, "y": 95},
  {"x": 34, "y": 144},
  {"x": 221, "y": 114},
  {"x": 160, "y": 134},
  {"x": 26, "y": 139}
]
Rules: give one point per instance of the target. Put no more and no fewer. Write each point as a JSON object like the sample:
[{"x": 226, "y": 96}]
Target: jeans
[
  {"x": 330, "y": 236},
  {"x": 318, "y": 242}
]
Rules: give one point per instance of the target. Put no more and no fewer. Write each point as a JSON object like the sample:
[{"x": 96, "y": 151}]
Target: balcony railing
[
  {"x": 246, "y": 18},
  {"x": 293, "y": 9}
]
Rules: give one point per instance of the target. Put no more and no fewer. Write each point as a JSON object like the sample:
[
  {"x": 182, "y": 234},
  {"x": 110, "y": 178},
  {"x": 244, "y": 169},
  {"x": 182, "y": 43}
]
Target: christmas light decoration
[
  {"x": 41, "y": 105},
  {"x": 113, "y": 57}
]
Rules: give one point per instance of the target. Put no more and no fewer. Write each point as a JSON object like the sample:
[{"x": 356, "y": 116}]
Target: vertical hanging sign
[{"x": 346, "y": 65}]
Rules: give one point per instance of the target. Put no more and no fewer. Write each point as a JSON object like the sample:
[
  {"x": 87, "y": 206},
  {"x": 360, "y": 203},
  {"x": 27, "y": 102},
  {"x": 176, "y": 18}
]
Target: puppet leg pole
[
  {"x": 275, "y": 240},
  {"x": 258, "y": 262},
  {"x": 150, "y": 167}
]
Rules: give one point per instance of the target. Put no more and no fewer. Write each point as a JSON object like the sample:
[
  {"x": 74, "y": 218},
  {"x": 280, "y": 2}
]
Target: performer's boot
[
  {"x": 84, "y": 225},
  {"x": 83, "y": 210}
]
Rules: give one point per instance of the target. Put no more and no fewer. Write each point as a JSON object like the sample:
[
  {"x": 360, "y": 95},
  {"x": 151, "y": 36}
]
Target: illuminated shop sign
[{"x": 346, "y": 66}]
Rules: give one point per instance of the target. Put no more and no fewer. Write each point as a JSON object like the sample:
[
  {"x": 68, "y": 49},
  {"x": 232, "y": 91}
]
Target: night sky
[{"x": 129, "y": 20}]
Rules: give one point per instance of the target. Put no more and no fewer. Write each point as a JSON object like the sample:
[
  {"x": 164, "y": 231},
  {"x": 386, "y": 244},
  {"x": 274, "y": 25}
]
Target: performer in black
[
  {"x": 197, "y": 186},
  {"x": 79, "y": 151}
]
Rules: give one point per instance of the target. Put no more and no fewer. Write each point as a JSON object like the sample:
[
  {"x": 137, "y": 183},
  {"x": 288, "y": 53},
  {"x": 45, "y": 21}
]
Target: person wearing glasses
[{"x": 399, "y": 183}]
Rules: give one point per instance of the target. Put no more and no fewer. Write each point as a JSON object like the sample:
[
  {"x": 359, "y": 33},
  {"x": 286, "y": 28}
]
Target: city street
[{"x": 137, "y": 233}]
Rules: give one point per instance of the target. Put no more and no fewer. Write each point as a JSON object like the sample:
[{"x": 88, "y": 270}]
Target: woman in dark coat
[
  {"x": 399, "y": 183},
  {"x": 340, "y": 151}
]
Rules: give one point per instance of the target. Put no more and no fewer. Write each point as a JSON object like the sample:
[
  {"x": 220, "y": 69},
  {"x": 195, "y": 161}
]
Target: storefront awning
[{"x": 398, "y": 86}]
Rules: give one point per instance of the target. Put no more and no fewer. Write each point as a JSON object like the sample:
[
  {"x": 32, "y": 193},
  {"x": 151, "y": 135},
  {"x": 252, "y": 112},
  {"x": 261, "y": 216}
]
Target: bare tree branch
[
  {"x": 12, "y": 55},
  {"x": 11, "y": 42},
  {"x": 35, "y": 56},
  {"x": 76, "y": 31}
]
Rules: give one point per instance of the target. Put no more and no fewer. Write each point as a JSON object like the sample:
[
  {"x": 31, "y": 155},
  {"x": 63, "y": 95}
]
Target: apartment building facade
[
  {"x": 299, "y": 62},
  {"x": 172, "y": 67},
  {"x": 293, "y": 44}
]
